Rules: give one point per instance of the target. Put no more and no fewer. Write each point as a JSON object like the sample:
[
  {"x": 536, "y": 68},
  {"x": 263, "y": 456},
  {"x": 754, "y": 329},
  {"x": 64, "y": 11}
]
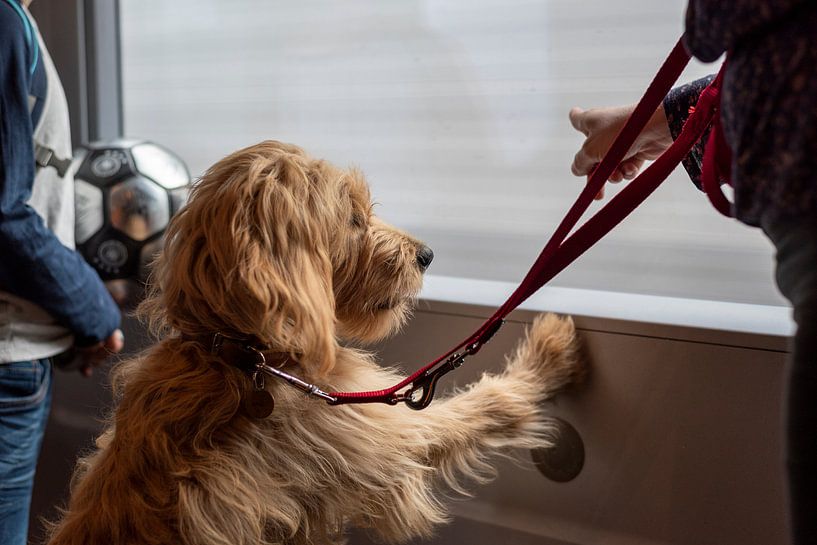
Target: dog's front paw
[{"x": 549, "y": 353}]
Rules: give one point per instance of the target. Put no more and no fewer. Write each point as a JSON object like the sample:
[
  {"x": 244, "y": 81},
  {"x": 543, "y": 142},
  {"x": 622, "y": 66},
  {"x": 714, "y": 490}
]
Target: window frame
[{"x": 83, "y": 38}]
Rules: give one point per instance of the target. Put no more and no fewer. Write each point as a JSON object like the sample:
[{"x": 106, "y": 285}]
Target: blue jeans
[{"x": 25, "y": 398}]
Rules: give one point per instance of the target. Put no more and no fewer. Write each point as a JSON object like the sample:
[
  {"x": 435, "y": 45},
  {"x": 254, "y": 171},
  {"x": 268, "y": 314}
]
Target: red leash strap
[
  {"x": 560, "y": 250},
  {"x": 717, "y": 163}
]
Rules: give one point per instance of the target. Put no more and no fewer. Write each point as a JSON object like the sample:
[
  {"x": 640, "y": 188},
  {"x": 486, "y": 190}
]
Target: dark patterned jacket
[{"x": 769, "y": 101}]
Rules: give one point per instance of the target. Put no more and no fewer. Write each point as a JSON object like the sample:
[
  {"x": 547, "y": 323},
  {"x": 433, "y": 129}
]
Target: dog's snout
[{"x": 424, "y": 257}]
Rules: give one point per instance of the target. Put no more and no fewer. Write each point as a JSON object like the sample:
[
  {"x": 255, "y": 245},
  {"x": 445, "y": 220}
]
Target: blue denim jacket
[{"x": 34, "y": 265}]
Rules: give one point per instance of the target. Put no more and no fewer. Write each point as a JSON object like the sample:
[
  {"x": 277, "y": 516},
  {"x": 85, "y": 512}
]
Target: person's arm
[
  {"x": 34, "y": 265},
  {"x": 678, "y": 104}
]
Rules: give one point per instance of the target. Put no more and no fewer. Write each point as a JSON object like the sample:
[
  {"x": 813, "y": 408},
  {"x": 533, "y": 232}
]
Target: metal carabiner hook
[{"x": 421, "y": 393}]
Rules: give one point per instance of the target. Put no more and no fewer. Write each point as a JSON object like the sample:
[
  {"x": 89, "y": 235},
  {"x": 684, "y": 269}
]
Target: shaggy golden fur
[{"x": 282, "y": 247}]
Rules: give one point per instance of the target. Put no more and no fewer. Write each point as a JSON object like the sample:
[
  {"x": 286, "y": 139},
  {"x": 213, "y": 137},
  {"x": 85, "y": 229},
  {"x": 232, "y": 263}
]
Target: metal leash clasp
[
  {"x": 218, "y": 340},
  {"x": 258, "y": 374},
  {"x": 261, "y": 367},
  {"x": 421, "y": 393},
  {"x": 259, "y": 403},
  {"x": 306, "y": 387}
]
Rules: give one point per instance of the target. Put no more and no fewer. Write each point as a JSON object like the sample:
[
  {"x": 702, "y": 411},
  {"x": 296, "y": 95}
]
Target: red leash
[
  {"x": 559, "y": 252},
  {"x": 717, "y": 163},
  {"x": 562, "y": 250}
]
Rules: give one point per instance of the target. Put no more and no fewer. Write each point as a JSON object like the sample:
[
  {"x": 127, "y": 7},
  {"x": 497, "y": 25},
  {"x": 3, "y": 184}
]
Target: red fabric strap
[
  {"x": 717, "y": 163},
  {"x": 562, "y": 250}
]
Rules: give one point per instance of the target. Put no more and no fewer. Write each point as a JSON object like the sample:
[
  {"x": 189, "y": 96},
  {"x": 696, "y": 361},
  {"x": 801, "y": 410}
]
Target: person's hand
[
  {"x": 96, "y": 354},
  {"x": 602, "y": 125}
]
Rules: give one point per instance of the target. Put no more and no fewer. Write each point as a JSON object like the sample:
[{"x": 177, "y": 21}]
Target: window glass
[{"x": 457, "y": 112}]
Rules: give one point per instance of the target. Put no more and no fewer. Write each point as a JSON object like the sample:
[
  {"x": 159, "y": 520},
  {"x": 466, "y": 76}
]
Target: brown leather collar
[{"x": 244, "y": 354}]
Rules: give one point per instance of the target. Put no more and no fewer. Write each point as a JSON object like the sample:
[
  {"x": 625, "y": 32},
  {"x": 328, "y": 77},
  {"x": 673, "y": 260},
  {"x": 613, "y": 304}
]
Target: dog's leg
[
  {"x": 455, "y": 437},
  {"x": 501, "y": 410}
]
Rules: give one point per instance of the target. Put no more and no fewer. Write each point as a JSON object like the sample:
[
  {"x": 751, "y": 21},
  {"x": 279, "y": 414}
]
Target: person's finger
[
  {"x": 115, "y": 342},
  {"x": 87, "y": 370},
  {"x": 578, "y": 119},
  {"x": 617, "y": 176},
  {"x": 631, "y": 167},
  {"x": 93, "y": 356},
  {"x": 583, "y": 162}
]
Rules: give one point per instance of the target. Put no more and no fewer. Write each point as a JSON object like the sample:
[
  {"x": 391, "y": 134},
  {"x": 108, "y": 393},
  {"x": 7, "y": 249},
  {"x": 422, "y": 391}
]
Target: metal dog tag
[{"x": 259, "y": 403}]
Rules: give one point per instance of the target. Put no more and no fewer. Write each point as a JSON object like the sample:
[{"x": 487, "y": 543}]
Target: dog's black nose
[{"x": 424, "y": 257}]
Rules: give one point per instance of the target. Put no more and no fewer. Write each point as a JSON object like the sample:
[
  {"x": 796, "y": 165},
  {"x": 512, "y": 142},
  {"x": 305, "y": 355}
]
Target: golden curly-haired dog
[{"x": 283, "y": 248}]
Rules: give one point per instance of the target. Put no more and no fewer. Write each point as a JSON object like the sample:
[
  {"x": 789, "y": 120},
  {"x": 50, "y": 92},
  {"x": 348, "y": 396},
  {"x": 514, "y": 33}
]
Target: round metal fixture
[{"x": 565, "y": 459}]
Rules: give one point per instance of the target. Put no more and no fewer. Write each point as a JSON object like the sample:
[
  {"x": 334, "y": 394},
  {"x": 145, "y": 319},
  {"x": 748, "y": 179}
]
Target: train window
[{"x": 457, "y": 112}]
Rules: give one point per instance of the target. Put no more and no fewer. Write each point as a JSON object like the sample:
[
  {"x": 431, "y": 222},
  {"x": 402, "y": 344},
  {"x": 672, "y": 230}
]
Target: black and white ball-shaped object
[{"x": 125, "y": 193}]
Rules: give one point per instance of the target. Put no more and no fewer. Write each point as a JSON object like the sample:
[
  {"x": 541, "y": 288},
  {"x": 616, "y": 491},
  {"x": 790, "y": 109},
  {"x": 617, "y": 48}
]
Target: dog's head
[{"x": 280, "y": 246}]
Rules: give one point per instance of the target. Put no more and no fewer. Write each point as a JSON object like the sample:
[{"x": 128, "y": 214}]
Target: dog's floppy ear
[
  {"x": 293, "y": 294},
  {"x": 288, "y": 272},
  {"x": 248, "y": 255}
]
